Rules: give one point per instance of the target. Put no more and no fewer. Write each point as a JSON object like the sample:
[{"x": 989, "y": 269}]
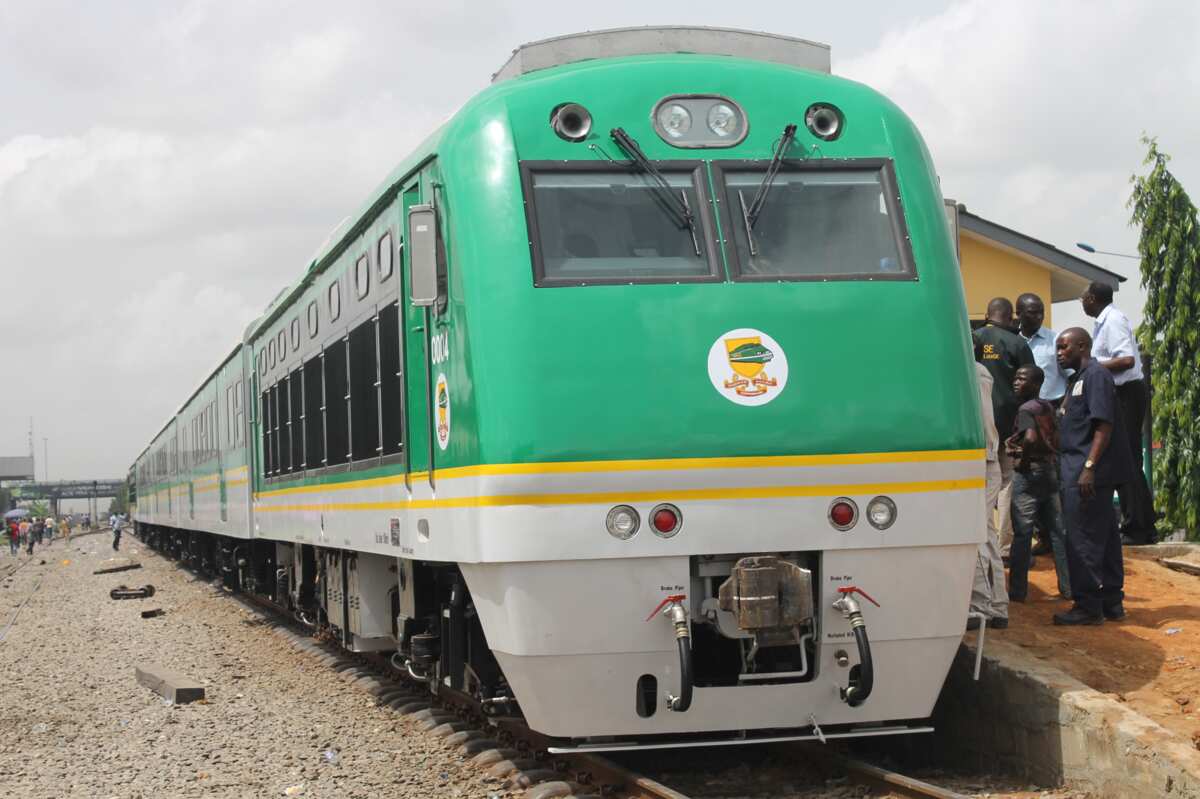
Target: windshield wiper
[
  {"x": 677, "y": 206},
  {"x": 750, "y": 215}
]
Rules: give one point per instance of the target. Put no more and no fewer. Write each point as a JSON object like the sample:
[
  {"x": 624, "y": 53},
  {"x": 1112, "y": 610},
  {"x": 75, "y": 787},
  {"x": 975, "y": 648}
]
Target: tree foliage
[{"x": 1170, "y": 251}]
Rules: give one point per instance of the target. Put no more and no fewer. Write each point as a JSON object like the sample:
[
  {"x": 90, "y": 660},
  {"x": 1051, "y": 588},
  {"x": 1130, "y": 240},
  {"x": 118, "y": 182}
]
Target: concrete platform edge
[{"x": 1028, "y": 718}]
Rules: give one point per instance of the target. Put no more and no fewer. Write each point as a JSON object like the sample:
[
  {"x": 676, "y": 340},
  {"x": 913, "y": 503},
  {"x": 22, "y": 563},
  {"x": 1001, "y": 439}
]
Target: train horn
[
  {"x": 824, "y": 121},
  {"x": 571, "y": 121}
]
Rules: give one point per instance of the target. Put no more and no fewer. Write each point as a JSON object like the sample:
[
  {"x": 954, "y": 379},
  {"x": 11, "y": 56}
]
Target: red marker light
[
  {"x": 665, "y": 519},
  {"x": 843, "y": 514}
]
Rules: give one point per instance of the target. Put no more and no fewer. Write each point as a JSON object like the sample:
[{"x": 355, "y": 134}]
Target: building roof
[
  {"x": 1069, "y": 276},
  {"x": 651, "y": 40}
]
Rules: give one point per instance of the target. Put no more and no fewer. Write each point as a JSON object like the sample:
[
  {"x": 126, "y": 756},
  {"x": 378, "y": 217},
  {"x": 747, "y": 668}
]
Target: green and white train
[{"x": 611, "y": 399}]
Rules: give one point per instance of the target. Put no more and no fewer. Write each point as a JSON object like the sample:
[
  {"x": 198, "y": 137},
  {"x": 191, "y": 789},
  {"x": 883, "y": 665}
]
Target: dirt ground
[{"x": 1150, "y": 660}]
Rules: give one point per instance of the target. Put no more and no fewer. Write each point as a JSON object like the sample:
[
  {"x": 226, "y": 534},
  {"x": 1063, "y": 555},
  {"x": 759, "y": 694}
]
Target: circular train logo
[
  {"x": 747, "y": 366},
  {"x": 441, "y": 394}
]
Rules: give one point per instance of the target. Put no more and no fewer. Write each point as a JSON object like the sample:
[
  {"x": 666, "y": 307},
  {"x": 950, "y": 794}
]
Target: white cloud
[
  {"x": 166, "y": 168},
  {"x": 1033, "y": 111}
]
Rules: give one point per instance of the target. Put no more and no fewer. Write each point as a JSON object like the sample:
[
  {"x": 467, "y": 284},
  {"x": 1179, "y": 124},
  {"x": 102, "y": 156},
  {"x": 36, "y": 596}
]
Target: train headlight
[
  {"x": 622, "y": 522},
  {"x": 843, "y": 513},
  {"x": 881, "y": 513},
  {"x": 666, "y": 520},
  {"x": 675, "y": 120},
  {"x": 723, "y": 121}
]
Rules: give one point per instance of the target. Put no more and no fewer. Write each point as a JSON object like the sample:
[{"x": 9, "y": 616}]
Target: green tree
[{"x": 1170, "y": 250}]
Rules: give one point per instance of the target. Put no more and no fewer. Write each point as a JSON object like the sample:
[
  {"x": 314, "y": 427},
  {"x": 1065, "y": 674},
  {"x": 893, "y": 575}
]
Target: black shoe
[
  {"x": 1015, "y": 598},
  {"x": 1114, "y": 612},
  {"x": 1128, "y": 541},
  {"x": 998, "y": 623},
  {"x": 1077, "y": 616},
  {"x": 972, "y": 623}
]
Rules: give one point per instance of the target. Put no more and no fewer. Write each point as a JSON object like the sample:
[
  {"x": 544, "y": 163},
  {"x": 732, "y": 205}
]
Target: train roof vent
[{"x": 618, "y": 42}]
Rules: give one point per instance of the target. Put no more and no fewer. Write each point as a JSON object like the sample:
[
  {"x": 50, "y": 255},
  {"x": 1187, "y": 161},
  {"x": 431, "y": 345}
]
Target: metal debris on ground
[
  {"x": 125, "y": 592},
  {"x": 152, "y": 613},
  {"x": 1173, "y": 631},
  {"x": 113, "y": 565}
]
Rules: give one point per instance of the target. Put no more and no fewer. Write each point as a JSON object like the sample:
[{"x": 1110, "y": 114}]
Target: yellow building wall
[{"x": 990, "y": 272}]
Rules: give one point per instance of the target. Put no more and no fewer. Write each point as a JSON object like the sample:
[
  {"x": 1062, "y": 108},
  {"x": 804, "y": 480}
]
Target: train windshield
[
  {"x": 614, "y": 225},
  {"x": 817, "y": 224}
]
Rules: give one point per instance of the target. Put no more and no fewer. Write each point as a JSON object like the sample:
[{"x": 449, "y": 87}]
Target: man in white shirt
[
  {"x": 1115, "y": 348},
  {"x": 1031, "y": 312}
]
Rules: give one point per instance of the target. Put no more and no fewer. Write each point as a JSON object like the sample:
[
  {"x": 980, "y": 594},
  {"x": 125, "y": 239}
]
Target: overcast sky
[{"x": 167, "y": 167}]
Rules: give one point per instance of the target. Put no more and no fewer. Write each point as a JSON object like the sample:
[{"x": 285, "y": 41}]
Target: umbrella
[{"x": 16, "y": 513}]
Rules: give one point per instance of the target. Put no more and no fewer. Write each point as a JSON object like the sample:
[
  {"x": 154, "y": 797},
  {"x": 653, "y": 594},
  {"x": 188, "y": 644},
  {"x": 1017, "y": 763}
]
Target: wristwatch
[{"x": 1089, "y": 464}]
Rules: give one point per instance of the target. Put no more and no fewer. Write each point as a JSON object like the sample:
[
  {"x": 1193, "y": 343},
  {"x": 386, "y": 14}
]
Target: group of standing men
[
  {"x": 35, "y": 531},
  {"x": 1063, "y": 420}
]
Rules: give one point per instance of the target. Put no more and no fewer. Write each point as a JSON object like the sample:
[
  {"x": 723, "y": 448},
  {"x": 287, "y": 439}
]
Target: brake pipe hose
[
  {"x": 672, "y": 607},
  {"x": 857, "y": 693}
]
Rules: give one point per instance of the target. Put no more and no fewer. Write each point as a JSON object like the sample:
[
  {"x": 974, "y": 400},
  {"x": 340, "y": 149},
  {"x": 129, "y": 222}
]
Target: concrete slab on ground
[{"x": 168, "y": 684}]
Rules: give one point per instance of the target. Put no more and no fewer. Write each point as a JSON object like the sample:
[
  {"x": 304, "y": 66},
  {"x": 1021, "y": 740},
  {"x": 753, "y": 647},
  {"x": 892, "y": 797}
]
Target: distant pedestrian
[
  {"x": 1092, "y": 463},
  {"x": 1115, "y": 349},
  {"x": 64, "y": 528},
  {"x": 1002, "y": 353},
  {"x": 1033, "y": 446},
  {"x": 115, "y": 522},
  {"x": 988, "y": 595},
  {"x": 14, "y": 537},
  {"x": 24, "y": 527}
]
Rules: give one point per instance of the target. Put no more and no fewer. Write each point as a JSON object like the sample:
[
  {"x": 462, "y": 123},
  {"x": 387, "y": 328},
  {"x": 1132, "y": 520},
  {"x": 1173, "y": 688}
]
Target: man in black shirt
[
  {"x": 1089, "y": 420},
  {"x": 1003, "y": 352},
  {"x": 1035, "y": 503}
]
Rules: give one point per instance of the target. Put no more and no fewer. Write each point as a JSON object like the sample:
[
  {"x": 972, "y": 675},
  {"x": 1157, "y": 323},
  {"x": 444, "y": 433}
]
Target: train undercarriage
[{"x": 420, "y": 612}]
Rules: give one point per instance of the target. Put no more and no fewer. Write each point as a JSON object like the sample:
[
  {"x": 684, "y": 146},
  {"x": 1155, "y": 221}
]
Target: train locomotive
[{"x": 637, "y": 401}]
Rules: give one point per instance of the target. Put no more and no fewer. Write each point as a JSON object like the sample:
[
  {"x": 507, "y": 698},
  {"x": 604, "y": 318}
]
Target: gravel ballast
[{"x": 276, "y": 721}]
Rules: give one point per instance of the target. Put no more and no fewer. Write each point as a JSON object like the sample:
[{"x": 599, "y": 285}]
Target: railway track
[{"x": 500, "y": 744}]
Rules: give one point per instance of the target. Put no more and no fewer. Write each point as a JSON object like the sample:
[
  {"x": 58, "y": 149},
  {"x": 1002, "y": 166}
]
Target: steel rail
[{"x": 874, "y": 776}]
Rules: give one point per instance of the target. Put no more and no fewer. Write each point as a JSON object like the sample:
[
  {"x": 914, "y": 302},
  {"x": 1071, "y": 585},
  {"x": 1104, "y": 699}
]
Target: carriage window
[
  {"x": 337, "y": 434},
  {"x": 293, "y": 442},
  {"x": 282, "y": 340},
  {"x": 618, "y": 226},
  {"x": 312, "y": 319},
  {"x": 385, "y": 257},
  {"x": 296, "y": 334},
  {"x": 390, "y": 379},
  {"x": 314, "y": 418},
  {"x": 362, "y": 276},
  {"x": 335, "y": 301},
  {"x": 364, "y": 397},
  {"x": 817, "y": 224}
]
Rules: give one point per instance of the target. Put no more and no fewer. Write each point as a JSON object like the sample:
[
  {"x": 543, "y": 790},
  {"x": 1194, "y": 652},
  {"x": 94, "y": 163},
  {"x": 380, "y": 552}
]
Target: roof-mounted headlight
[{"x": 676, "y": 121}]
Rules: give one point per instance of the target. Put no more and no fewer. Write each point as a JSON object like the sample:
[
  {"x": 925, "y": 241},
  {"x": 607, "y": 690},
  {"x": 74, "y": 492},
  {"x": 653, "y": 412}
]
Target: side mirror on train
[{"x": 422, "y": 246}]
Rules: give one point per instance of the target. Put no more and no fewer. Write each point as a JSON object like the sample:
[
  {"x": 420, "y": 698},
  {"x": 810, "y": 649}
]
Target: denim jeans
[{"x": 1036, "y": 504}]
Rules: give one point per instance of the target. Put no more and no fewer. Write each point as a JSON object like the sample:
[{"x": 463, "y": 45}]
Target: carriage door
[{"x": 418, "y": 387}]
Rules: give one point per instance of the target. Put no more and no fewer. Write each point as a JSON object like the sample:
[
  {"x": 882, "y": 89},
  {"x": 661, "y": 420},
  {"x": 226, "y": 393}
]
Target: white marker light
[
  {"x": 622, "y": 522},
  {"x": 881, "y": 513}
]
